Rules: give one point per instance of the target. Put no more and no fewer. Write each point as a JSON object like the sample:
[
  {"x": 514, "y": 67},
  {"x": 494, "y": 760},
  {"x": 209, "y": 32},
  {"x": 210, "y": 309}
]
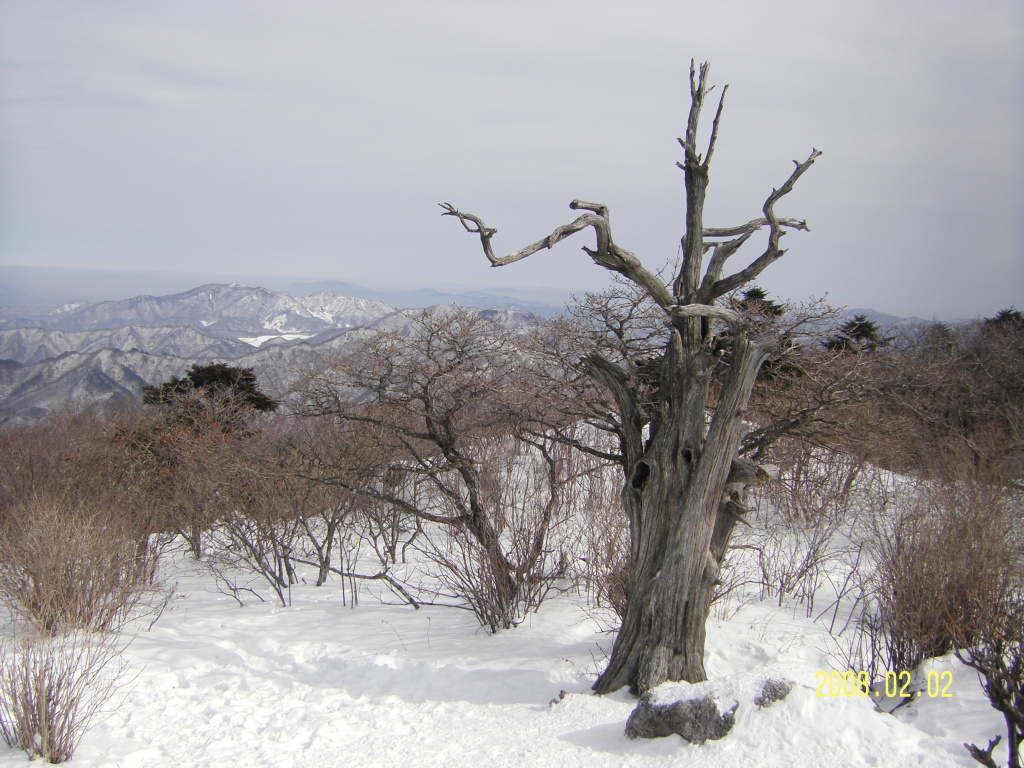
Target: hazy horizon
[
  {"x": 96, "y": 285},
  {"x": 249, "y": 137},
  {"x": 93, "y": 285}
]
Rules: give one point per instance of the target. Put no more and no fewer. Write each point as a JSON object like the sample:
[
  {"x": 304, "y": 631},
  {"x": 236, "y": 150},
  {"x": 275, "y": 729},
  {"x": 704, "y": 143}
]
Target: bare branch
[
  {"x": 607, "y": 254},
  {"x": 714, "y": 127},
  {"x": 387, "y": 498},
  {"x": 714, "y": 271},
  {"x": 772, "y": 252},
  {"x": 688, "y": 277},
  {"x": 698, "y": 90},
  {"x": 984, "y": 756},
  {"x": 734, "y": 319},
  {"x": 379, "y": 576},
  {"x": 690, "y": 152},
  {"x": 599, "y": 208},
  {"x": 475, "y": 225},
  {"x": 617, "y": 382},
  {"x": 752, "y": 226}
]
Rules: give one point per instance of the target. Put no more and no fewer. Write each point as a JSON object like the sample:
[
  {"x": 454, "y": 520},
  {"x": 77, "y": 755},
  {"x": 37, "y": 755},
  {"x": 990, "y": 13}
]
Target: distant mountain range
[
  {"x": 102, "y": 354},
  {"x": 888, "y": 323},
  {"x": 428, "y": 297},
  {"x": 216, "y": 307},
  {"x": 24, "y": 286}
]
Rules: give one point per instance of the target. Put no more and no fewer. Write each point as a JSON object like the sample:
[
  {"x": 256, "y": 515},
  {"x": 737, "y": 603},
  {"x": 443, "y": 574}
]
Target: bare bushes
[
  {"x": 64, "y": 566},
  {"x": 260, "y": 541},
  {"x": 528, "y": 485},
  {"x": 601, "y": 532},
  {"x": 78, "y": 562},
  {"x": 907, "y": 564},
  {"x": 995, "y": 648},
  {"x": 466, "y": 572},
  {"x": 70, "y": 579},
  {"x": 500, "y": 593},
  {"x": 442, "y": 418},
  {"x": 77, "y": 543},
  {"x": 275, "y": 511},
  {"x": 52, "y": 686},
  {"x": 939, "y": 553},
  {"x": 802, "y": 530},
  {"x": 180, "y": 469}
]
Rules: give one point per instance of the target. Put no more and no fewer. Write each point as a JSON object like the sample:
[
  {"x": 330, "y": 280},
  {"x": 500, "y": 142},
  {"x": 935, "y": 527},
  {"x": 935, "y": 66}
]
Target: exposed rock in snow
[{"x": 696, "y": 720}]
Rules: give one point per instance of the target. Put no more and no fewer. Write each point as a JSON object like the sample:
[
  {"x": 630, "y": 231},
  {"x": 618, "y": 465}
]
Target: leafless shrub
[
  {"x": 53, "y": 686},
  {"x": 602, "y": 532},
  {"x": 995, "y": 648},
  {"x": 388, "y": 530},
  {"x": 261, "y": 542},
  {"x": 66, "y": 566},
  {"x": 801, "y": 526},
  {"x": 271, "y": 545},
  {"x": 256, "y": 500},
  {"x": 332, "y": 534},
  {"x": 75, "y": 457},
  {"x": 447, "y": 429},
  {"x": 181, "y": 469},
  {"x": 277, "y": 509},
  {"x": 503, "y": 582},
  {"x": 466, "y": 575},
  {"x": 78, "y": 561},
  {"x": 958, "y": 395},
  {"x": 281, "y": 471},
  {"x": 497, "y": 599},
  {"x": 938, "y": 552}
]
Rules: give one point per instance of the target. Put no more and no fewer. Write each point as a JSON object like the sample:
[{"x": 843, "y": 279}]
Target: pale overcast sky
[{"x": 315, "y": 138}]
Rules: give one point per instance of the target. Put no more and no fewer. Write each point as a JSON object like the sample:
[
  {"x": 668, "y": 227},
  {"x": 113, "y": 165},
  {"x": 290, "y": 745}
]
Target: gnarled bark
[{"x": 681, "y": 503}]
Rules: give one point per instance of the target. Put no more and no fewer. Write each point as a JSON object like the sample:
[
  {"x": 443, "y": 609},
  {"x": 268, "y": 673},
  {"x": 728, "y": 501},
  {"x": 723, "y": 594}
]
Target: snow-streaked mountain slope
[
  {"x": 111, "y": 378},
  {"x": 33, "y": 345},
  {"x": 107, "y": 378}
]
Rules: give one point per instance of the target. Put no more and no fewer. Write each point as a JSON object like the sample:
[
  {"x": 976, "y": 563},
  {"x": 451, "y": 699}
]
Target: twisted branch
[
  {"x": 712, "y": 287},
  {"x": 687, "y": 289},
  {"x": 607, "y": 254}
]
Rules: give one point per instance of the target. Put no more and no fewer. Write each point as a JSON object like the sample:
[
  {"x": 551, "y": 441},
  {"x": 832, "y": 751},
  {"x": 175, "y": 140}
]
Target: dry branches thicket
[
  {"x": 67, "y": 567},
  {"x": 447, "y": 429},
  {"x": 601, "y": 530},
  {"x": 943, "y": 551},
  {"x": 52, "y": 686},
  {"x": 64, "y": 663},
  {"x": 801, "y": 535},
  {"x": 994, "y": 646},
  {"x": 78, "y": 563}
]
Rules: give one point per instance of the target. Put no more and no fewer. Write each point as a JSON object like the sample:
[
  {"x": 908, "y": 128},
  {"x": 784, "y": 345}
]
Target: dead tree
[{"x": 678, "y": 493}]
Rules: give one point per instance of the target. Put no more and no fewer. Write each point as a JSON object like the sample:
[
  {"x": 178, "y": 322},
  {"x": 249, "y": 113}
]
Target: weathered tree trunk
[
  {"x": 681, "y": 520},
  {"x": 675, "y": 493}
]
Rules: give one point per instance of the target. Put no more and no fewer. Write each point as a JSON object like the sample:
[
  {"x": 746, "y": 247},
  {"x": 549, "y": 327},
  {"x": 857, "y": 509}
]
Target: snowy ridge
[
  {"x": 42, "y": 367},
  {"x": 33, "y": 345}
]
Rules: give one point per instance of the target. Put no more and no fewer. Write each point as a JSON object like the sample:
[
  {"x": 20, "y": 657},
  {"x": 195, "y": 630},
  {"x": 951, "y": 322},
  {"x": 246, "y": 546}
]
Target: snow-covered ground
[{"x": 322, "y": 684}]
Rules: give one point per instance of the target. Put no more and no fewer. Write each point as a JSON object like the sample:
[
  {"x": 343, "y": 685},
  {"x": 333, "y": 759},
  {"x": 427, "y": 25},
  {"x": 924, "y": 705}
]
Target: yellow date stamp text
[{"x": 897, "y": 685}]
